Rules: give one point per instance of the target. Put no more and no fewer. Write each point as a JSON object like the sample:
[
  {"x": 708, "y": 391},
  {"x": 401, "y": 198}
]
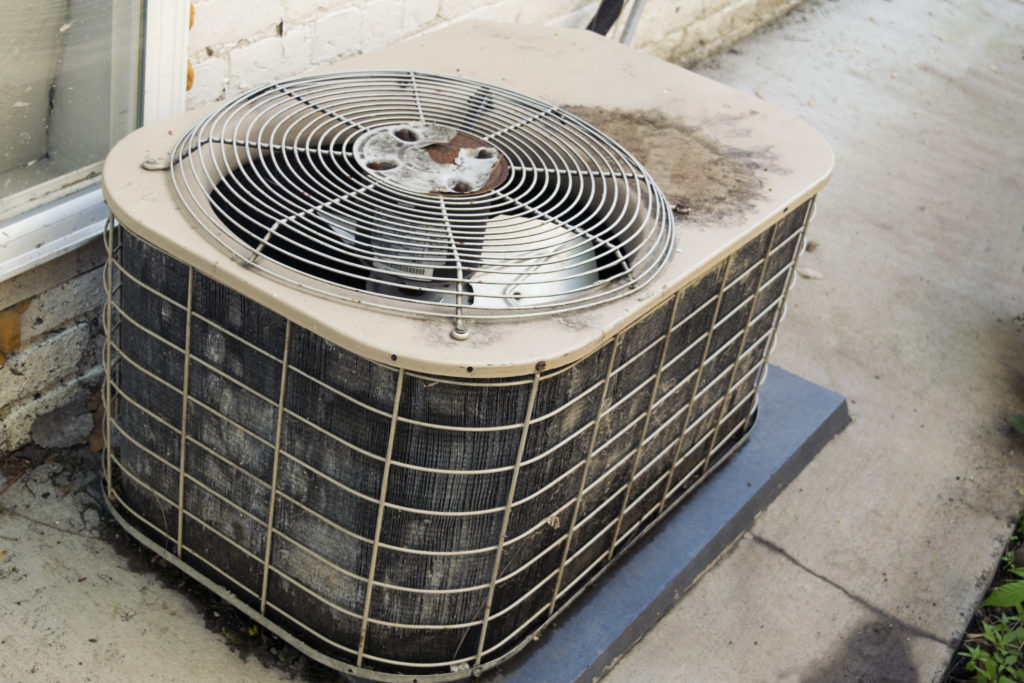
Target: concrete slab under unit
[{"x": 796, "y": 419}]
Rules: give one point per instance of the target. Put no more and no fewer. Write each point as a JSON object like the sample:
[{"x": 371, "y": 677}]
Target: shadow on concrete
[{"x": 875, "y": 652}]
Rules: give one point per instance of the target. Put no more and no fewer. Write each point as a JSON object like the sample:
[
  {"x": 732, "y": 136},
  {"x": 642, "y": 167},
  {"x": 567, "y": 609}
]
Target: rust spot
[
  {"x": 10, "y": 327},
  {"x": 447, "y": 152}
]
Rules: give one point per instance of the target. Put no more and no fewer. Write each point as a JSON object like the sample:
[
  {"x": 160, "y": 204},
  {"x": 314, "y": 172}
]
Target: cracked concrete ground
[{"x": 868, "y": 566}]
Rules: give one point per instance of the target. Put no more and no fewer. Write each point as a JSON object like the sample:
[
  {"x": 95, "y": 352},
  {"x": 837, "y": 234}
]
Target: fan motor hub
[{"x": 430, "y": 158}]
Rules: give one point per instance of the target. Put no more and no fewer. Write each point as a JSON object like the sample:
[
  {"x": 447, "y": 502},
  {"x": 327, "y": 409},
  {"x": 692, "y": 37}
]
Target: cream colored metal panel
[{"x": 730, "y": 163}]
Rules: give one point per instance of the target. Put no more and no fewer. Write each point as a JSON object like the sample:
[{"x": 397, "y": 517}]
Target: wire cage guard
[
  {"x": 428, "y": 194},
  {"x": 393, "y": 523}
]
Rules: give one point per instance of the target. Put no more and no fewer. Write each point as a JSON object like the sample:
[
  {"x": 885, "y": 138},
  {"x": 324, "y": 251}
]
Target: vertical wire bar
[
  {"x": 460, "y": 328},
  {"x": 743, "y": 340},
  {"x": 108, "y": 285},
  {"x": 586, "y": 470},
  {"x": 696, "y": 383},
  {"x": 505, "y": 516},
  {"x": 643, "y": 431},
  {"x": 380, "y": 516},
  {"x": 187, "y": 360},
  {"x": 277, "y": 459},
  {"x": 416, "y": 96},
  {"x": 777, "y": 317}
]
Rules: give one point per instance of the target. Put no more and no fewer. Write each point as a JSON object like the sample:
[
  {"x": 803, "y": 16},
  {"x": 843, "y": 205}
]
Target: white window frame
[{"x": 45, "y": 233}]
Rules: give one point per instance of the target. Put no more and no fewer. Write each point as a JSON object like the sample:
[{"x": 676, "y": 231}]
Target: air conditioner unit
[{"x": 398, "y": 362}]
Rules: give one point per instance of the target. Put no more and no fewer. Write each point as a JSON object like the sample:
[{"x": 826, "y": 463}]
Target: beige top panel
[{"x": 736, "y": 162}]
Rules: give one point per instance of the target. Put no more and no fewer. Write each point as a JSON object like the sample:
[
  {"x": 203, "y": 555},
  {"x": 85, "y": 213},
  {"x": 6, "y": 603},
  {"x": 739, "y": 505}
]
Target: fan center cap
[{"x": 430, "y": 158}]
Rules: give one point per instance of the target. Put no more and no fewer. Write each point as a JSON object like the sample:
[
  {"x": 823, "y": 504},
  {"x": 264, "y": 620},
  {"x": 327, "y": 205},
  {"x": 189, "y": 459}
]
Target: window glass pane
[{"x": 69, "y": 89}]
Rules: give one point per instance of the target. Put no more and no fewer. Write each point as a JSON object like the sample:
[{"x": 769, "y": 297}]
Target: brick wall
[
  {"x": 53, "y": 323},
  {"x": 236, "y": 45}
]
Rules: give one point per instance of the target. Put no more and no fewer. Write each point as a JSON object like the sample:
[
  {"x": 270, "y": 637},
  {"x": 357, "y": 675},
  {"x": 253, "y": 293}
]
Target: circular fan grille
[{"x": 423, "y": 193}]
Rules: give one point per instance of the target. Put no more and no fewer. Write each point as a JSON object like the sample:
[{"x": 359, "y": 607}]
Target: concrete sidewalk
[{"x": 869, "y": 565}]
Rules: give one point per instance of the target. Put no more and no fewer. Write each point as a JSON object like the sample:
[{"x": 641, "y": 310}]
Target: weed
[{"x": 995, "y": 655}]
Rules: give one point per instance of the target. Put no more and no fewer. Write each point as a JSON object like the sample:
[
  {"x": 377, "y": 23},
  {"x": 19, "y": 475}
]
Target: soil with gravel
[
  {"x": 239, "y": 633},
  {"x": 79, "y": 471}
]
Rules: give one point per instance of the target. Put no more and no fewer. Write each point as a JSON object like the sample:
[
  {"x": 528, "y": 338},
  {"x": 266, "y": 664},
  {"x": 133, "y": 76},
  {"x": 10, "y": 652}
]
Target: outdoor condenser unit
[{"x": 398, "y": 361}]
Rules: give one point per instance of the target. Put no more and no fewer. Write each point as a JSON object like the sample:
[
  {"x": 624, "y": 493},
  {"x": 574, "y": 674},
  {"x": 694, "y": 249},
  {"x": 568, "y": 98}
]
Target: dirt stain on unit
[{"x": 702, "y": 180}]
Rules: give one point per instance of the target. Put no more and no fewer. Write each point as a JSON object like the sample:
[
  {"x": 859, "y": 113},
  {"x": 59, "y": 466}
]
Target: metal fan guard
[{"x": 422, "y": 193}]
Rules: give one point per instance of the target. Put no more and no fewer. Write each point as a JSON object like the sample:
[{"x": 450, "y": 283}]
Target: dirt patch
[
  {"x": 239, "y": 633},
  {"x": 75, "y": 474},
  {"x": 700, "y": 178}
]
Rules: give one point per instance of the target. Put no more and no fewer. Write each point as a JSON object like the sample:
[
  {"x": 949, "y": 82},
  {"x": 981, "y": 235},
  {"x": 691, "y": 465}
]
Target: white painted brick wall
[
  {"x": 211, "y": 79},
  {"x": 237, "y": 44},
  {"x": 503, "y": 10},
  {"x": 269, "y": 59},
  {"x": 454, "y": 9},
  {"x": 419, "y": 14},
  {"x": 550, "y": 12},
  {"x": 220, "y": 22},
  {"x": 336, "y": 33},
  {"x": 381, "y": 25},
  {"x": 297, "y": 10}
]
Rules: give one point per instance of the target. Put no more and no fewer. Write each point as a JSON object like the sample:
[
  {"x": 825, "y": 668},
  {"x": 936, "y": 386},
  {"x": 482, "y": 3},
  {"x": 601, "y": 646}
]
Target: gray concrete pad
[
  {"x": 750, "y": 647},
  {"x": 914, "y": 312}
]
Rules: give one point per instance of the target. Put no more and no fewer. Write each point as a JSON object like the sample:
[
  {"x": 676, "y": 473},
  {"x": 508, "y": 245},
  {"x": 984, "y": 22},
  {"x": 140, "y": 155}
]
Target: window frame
[{"x": 65, "y": 224}]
